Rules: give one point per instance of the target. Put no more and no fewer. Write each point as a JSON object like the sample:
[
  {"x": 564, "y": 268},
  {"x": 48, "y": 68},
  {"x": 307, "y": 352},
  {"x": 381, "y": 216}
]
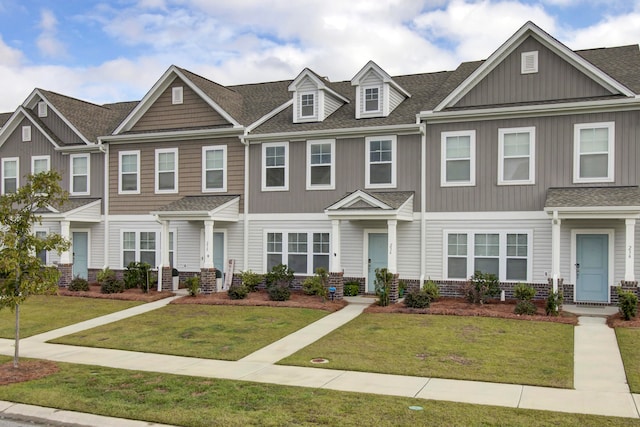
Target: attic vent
[
  {"x": 529, "y": 62},
  {"x": 26, "y": 133},
  {"x": 42, "y": 109},
  {"x": 176, "y": 95}
]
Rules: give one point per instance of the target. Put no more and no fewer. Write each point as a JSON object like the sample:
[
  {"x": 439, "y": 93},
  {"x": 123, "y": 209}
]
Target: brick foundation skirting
[{"x": 66, "y": 275}]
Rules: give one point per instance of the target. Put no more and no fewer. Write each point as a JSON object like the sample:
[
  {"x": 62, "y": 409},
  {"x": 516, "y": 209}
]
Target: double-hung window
[
  {"x": 593, "y": 152},
  {"x": 307, "y": 105},
  {"x": 507, "y": 254},
  {"x": 303, "y": 252},
  {"x": 10, "y": 171},
  {"x": 166, "y": 170},
  {"x": 275, "y": 166},
  {"x": 321, "y": 165},
  {"x": 80, "y": 174},
  {"x": 129, "y": 172},
  {"x": 381, "y": 160},
  {"x": 458, "y": 166},
  {"x": 372, "y": 99},
  {"x": 42, "y": 254},
  {"x": 139, "y": 246},
  {"x": 40, "y": 164},
  {"x": 214, "y": 168},
  {"x": 516, "y": 151}
]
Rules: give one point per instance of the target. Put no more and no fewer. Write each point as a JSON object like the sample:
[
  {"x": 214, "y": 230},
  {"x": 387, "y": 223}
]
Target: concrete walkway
[{"x": 600, "y": 382}]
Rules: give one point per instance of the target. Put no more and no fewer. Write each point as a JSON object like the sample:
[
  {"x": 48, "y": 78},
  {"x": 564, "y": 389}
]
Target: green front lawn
[
  {"x": 457, "y": 347},
  {"x": 212, "y": 332},
  {"x": 42, "y": 313},
  {"x": 629, "y": 341},
  {"x": 190, "y": 401}
]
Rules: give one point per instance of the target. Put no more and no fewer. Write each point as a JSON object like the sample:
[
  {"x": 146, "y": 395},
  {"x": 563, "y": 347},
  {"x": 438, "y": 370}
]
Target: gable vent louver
[{"x": 529, "y": 62}]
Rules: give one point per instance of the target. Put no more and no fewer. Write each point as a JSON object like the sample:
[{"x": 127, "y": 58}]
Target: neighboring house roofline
[
  {"x": 530, "y": 29},
  {"x": 370, "y": 130},
  {"x": 13, "y": 122},
  {"x": 269, "y": 115},
  {"x": 158, "y": 88}
]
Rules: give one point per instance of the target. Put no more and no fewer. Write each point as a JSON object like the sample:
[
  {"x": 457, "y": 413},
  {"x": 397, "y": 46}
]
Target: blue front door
[
  {"x": 592, "y": 267},
  {"x": 80, "y": 247},
  {"x": 218, "y": 250},
  {"x": 377, "y": 257}
]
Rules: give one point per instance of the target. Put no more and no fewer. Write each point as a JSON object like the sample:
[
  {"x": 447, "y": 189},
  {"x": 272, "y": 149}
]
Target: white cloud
[
  {"x": 9, "y": 57},
  {"x": 611, "y": 31},
  {"x": 47, "y": 41}
]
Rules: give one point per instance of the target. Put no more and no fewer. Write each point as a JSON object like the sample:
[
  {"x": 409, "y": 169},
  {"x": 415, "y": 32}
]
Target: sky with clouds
[{"x": 109, "y": 51}]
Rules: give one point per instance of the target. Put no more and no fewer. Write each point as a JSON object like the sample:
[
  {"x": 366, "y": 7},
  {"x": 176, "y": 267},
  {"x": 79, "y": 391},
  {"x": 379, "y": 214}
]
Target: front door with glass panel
[
  {"x": 377, "y": 257},
  {"x": 80, "y": 247},
  {"x": 218, "y": 250},
  {"x": 592, "y": 267}
]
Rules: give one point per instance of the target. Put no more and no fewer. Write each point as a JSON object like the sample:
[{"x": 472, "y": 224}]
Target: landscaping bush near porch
[{"x": 470, "y": 348}]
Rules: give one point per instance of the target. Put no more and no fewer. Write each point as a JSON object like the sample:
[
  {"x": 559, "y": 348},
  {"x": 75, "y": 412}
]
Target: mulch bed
[
  {"x": 261, "y": 298},
  {"x": 26, "y": 371},
  {"x": 460, "y": 307},
  {"x": 127, "y": 295},
  {"x": 616, "y": 321}
]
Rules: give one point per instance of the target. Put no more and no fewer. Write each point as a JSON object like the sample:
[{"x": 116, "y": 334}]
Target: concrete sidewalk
[{"x": 600, "y": 381}]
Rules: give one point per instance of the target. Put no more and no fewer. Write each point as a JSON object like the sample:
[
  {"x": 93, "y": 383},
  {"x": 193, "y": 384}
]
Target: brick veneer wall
[
  {"x": 208, "y": 281},
  {"x": 167, "y": 279},
  {"x": 337, "y": 281},
  {"x": 66, "y": 275},
  {"x": 626, "y": 286}
]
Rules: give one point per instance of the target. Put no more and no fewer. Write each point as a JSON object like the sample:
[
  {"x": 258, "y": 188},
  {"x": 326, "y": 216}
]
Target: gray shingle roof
[
  {"x": 197, "y": 203},
  {"x": 71, "y": 204},
  {"x": 622, "y": 63},
  {"x": 573, "y": 197},
  {"x": 4, "y": 117},
  {"x": 393, "y": 199}
]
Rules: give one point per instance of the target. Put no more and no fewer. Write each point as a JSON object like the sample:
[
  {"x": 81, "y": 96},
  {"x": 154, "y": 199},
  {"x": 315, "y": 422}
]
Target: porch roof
[
  {"x": 208, "y": 207},
  {"x": 85, "y": 209},
  {"x": 606, "y": 202},
  {"x": 364, "y": 205}
]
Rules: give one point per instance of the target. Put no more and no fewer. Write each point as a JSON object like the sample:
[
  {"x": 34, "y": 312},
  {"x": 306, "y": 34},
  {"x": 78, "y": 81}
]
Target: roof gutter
[
  {"x": 171, "y": 136},
  {"x": 359, "y": 131}
]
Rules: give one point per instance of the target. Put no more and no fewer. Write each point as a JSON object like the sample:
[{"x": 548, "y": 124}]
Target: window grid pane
[
  {"x": 297, "y": 243},
  {"x": 594, "y": 153},
  {"x": 40, "y": 165},
  {"x": 371, "y": 99}
]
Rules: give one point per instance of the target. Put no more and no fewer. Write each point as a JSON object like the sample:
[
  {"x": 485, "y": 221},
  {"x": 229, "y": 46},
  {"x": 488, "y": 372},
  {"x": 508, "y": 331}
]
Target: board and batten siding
[
  {"x": 350, "y": 176},
  {"x": 189, "y": 174},
  {"x": 59, "y": 128},
  {"x": 554, "y": 145},
  {"x": 436, "y": 249},
  {"x": 194, "y": 112},
  {"x": 556, "y": 79}
]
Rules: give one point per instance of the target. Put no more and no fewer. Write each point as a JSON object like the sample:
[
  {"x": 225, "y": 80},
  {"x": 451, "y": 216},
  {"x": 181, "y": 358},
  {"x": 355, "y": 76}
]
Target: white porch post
[
  {"x": 208, "y": 244},
  {"x": 164, "y": 238},
  {"x": 629, "y": 259},
  {"x": 336, "y": 259},
  {"x": 65, "y": 257},
  {"x": 555, "y": 250},
  {"x": 392, "y": 262}
]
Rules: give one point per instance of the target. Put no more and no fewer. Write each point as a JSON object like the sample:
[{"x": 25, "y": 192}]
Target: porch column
[
  {"x": 336, "y": 259},
  {"x": 166, "y": 279},
  {"x": 65, "y": 265},
  {"x": 207, "y": 272},
  {"x": 555, "y": 250},
  {"x": 392, "y": 262},
  {"x": 629, "y": 258}
]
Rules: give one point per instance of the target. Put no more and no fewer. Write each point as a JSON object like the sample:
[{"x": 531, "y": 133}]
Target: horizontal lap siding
[
  {"x": 409, "y": 249},
  {"x": 194, "y": 112},
  {"x": 189, "y": 174}
]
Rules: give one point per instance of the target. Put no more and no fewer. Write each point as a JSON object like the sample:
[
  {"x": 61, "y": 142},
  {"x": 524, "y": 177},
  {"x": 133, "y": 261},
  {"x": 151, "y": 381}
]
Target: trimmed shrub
[
  {"x": 112, "y": 285},
  {"x": 238, "y": 291},
  {"x": 251, "y": 280},
  {"x": 78, "y": 284},
  {"x": 422, "y": 298},
  {"x": 104, "y": 274},
  {"x": 136, "y": 274},
  {"x": 554, "y": 301},
  {"x": 193, "y": 285},
  {"x": 316, "y": 285},
  {"x": 279, "y": 292},
  {"x": 523, "y": 292},
  {"x": 480, "y": 287},
  {"x": 525, "y": 307},
  {"x": 627, "y": 304},
  {"x": 351, "y": 289},
  {"x": 279, "y": 275},
  {"x": 383, "y": 286},
  {"x": 430, "y": 287}
]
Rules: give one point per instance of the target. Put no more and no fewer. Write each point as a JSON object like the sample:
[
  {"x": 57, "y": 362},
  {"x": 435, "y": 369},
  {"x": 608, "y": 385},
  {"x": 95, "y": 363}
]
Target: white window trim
[
  {"x": 313, "y": 116},
  {"x": 158, "y": 253},
  {"x": 394, "y": 161},
  {"x": 610, "y": 126},
  {"x": 523, "y": 62},
  {"x": 7, "y": 160},
  {"x": 45, "y": 230},
  {"x": 363, "y": 92},
  {"x": 72, "y": 175},
  {"x": 42, "y": 109},
  {"x": 502, "y": 238},
  {"x": 175, "y": 170},
  {"x": 26, "y": 133},
  {"x": 332, "y": 184},
  {"x": 204, "y": 168},
  {"x": 265, "y": 145},
  {"x": 174, "y": 247},
  {"x": 125, "y": 153},
  {"x": 36, "y": 158},
  {"x": 532, "y": 155},
  {"x": 285, "y": 248},
  {"x": 177, "y": 95},
  {"x": 472, "y": 161}
]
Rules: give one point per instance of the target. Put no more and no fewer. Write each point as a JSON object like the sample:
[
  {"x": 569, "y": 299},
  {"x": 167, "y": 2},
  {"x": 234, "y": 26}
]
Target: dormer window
[
  {"x": 307, "y": 105},
  {"x": 176, "y": 95},
  {"x": 372, "y": 99},
  {"x": 42, "y": 109}
]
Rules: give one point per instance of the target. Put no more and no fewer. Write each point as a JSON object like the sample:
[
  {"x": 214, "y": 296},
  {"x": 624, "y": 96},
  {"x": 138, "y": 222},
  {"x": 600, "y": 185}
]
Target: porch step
[{"x": 590, "y": 310}]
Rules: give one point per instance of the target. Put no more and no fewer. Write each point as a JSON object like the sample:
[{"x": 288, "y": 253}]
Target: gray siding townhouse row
[{"x": 522, "y": 165}]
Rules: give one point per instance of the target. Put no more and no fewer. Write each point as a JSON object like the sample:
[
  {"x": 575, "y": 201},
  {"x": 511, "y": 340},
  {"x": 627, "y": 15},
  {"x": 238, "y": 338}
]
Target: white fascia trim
[
  {"x": 335, "y": 133},
  {"x": 287, "y": 217},
  {"x": 364, "y": 215},
  {"x": 386, "y": 78},
  {"x": 510, "y": 45},
  {"x": 320, "y": 84},
  {"x": 358, "y": 194},
  {"x": 489, "y": 216},
  {"x": 171, "y": 136},
  {"x": 89, "y": 148},
  {"x": 268, "y": 116},
  {"x": 132, "y": 218},
  {"x": 30, "y": 103},
  {"x": 564, "y": 108},
  {"x": 13, "y": 122}
]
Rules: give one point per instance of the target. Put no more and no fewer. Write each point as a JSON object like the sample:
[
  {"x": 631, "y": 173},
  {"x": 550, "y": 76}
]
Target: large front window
[
  {"x": 275, "y": 173},
  {"x": 593, "y": 152},
  {"x": 214, "y": 161},
  {"x": 167, "y": 170},
  {"x": 381, "y": 162},
  {"x": 139, "y": 246},
  {"x": 129, "y": 172},
  {"x": 458, "y": 158},
  {"x": 303, "y": 252}
]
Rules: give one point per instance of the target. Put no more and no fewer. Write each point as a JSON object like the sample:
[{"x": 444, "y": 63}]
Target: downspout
[
  {"x": 105, "y": 198},
  {"x": 423, "y": 201},
  {"x": 245, "y": 214}
]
